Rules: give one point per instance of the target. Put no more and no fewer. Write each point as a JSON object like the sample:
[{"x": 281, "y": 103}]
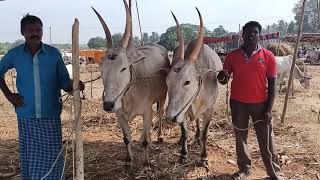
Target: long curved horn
[
  {"x": 180, "y": 39},
  {"x": 130, "y": 6},
  {"x": 195, "y": 53},
  {"x": 126, "y": 35},
  {"x": 106, "y": 30}
]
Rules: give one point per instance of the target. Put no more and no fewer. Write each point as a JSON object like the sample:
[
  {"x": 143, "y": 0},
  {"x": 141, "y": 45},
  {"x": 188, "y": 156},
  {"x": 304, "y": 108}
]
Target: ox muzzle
[
  {"x": 108, "y": 106},
  {"x": 171, "y": 119}
]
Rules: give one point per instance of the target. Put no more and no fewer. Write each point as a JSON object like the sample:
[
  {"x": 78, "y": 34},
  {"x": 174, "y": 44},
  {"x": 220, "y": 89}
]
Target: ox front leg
[
  {"x": 203, "y": 139},
  {"x": 197, "y": 136},
  {"x": 184, "y": 142},
  {"x": 160, "y": 114},
  {"x": 145, "y": 138},
  {"x": 124, "y": 124}
]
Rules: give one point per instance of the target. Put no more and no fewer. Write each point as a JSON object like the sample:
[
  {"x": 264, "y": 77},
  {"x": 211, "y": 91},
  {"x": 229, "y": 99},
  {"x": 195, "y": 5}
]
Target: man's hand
[
  {"x": 81, "y": 85},
  {"x": 268, "y": 117},
  {"x": 15, "y": 99},
  {"x": 223, "y": 77}
]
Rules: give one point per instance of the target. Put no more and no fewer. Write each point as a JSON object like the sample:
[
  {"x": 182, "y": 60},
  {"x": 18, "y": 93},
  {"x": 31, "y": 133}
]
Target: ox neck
[{"x": 297, "y": 74}]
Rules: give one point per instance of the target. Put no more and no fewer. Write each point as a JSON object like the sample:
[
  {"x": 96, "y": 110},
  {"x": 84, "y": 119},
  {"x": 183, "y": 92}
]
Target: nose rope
[{"x": 197, "y": 92}]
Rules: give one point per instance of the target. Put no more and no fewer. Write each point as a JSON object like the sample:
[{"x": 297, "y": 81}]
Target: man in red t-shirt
[{"x": 253, "y": 90}]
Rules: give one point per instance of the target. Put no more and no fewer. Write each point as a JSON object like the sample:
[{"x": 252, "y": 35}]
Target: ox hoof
[
  {"x": 129, "y": 167},
  {"x": 181, "y": 141},
  {"x": 129, "y": 164},
  {"x": 183, "y": 160},
  {"x": 160, "y": 140},
  {"x": 197, "y": 141},
  {"x": 129, "y": 161},
  {"x": 146, "y": 163},
  {"x": 202, "y": 163}
]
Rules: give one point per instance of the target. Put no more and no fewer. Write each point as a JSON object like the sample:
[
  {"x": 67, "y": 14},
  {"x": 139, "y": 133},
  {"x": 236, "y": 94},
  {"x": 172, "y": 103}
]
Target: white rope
[
  {"x": 253, "y": 124},
  {"x": 64, "y": 146},
  {"x": 139, "y": 23},
  {"x": 268, "y": 148},
  {"x": 55, "y": 162},
  {"x": 227, "y": 113}
]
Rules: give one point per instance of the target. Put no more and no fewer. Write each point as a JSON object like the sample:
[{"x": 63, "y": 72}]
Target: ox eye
[
  {"x": 123, "y": 69},
  {"x": 186, "y": 83},
  {"x": 112, "y": 56}
]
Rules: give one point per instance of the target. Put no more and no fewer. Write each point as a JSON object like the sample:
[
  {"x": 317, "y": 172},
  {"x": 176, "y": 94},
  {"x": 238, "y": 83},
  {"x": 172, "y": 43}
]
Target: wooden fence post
[
  {"x": 77, "y": 101},
  {"x": 293, "y": 61}
]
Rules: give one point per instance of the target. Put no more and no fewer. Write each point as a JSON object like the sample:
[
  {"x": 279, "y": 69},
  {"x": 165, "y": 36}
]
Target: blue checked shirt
[{"x": 39, "y": 80}]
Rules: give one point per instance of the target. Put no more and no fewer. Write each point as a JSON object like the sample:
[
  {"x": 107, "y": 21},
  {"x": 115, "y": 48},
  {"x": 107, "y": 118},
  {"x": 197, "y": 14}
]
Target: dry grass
[{"x": 297, "y": 142}]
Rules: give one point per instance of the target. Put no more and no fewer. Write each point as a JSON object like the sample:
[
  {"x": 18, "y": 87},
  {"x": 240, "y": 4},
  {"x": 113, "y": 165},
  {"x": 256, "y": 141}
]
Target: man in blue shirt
[{"x": 41, "y": 74}]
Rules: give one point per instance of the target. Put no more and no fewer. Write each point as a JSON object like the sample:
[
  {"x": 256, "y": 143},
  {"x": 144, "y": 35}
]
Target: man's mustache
[{"x": 35, "y": 37}]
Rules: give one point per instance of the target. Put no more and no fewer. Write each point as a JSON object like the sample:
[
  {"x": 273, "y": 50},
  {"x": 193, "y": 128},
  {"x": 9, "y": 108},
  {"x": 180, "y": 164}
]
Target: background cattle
[{"x": 283, "y": 66}]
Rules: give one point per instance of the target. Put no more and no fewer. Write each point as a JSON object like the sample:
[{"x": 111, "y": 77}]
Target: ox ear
[{"x": 134, "y": 55}]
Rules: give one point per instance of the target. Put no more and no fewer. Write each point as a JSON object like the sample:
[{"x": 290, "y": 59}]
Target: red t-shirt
[{"x": 249, "y": 84}]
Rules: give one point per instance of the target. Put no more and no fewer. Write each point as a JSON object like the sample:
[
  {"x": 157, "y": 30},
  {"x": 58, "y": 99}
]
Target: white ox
[
  {"x": 283, "y": 66},
  {"x": 131, "y": 84},
  {"x": 193, "y": 89},
  {"x": 69, "y": 69}
]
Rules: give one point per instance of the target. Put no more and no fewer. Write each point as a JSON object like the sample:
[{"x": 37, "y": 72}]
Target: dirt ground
[{"x": 297, "y": 141}]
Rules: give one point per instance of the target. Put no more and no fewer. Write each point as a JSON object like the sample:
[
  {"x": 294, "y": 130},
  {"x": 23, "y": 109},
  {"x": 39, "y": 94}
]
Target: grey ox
[
  {"x": 283, "y": 66},
  {"x": 132, "y": 84},
  {"x": 192, "y": 88}
]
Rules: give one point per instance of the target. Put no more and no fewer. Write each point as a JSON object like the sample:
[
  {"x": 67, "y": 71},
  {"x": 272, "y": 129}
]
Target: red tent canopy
[
  {"x": 306, "y": 37},
  {"x": 208, "y": 40}
]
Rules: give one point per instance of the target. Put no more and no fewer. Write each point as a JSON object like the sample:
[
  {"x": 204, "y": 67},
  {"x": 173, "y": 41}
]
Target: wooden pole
[
  {"x": 138, "y": 21},
  {"x": 292, "y": 89},
  {"x": 277, "y": 52},
  {"x": 293, "y": 62},
  {"x": 76, "y": 100},
  {"x": 319, "y": 112},
  {"x": 91, "y": 84},
  {"x": 318, "y": 9}
]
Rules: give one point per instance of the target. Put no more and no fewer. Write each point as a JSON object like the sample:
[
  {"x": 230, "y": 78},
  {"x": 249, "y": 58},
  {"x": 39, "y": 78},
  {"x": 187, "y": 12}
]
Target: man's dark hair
[
  {"x": 251, "y": 24},
  {"x": 29, "y": 19}
]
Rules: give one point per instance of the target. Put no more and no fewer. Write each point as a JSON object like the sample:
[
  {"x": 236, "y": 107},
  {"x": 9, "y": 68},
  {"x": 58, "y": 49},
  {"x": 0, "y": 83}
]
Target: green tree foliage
[
  {"x": 219, "y": 31},
  {"x": 17, "y": 43},
  {"x": 154, "y": 37},
  {"x": 310, "y": 23},
  {"x": 136, "y": 41},
  {"x": 146, "y": 37},
  {"x": 116, "y": 38},
  {"x": 291, "y": 28},
  {"x": 281, "y": 26},
  {"x": 4, "y": 47},
  {"x": 96, "y": 43},
  {"x": 189, "y": 31}
]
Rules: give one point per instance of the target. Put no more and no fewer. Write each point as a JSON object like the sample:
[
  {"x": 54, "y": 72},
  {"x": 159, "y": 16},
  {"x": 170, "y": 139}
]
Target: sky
[{"x": 155, "y": 15}]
